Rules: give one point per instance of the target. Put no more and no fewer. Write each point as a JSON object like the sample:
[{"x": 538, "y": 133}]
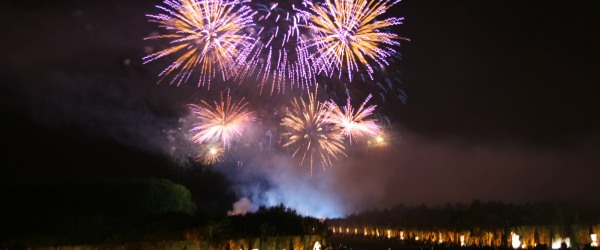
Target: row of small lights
[
  {"x": 516, "y": 242},
  {"x": 376, "y": 232}
]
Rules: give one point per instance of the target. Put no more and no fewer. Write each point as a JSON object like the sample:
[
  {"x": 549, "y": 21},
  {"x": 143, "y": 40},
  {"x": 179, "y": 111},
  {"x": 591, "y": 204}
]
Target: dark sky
[
  {"x": 526, "y": 70},
  {"x": 502, "y": 101}
]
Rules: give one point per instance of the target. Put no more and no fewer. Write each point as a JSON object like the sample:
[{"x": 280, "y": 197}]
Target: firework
[
  {"x": 353, "y": 123},
  {"x": 386, "y": 136},
  {"x": 378, "y": 140},
  {"x": 210, "y": 154},
  {"x": 348, "y": 37},
  {"x": 279, "y": 56},
  {"x": 309, "y": 133},
  {"x": 205, "y": 34},
  {"x": 223, "y": 121}
]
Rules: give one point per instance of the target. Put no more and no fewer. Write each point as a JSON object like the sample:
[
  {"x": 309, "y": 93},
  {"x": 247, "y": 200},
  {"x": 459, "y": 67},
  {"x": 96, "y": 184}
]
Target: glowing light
[
  {"x": 515, "y": 241},
  {"x": 462, "y": 241},
  {"x": 346, "y": 34},
  {"x": 207, "y": 35},
  {"x": 210, "y": 154},
  {"x": 594, "y": 238},
  {"x": 557, "y": 243},
  {"x": 309, "y": 133},
  {"x": 353, "y": 123},
  {"x": 389, "y": 233},
  {"x": 317, "y": 246},
  {"x": 222, "y": 121},
  {"x": 402, "y": 235},
  {"x": 384, "y": 137}
]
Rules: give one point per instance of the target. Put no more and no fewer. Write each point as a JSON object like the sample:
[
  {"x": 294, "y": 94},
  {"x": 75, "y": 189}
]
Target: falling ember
[
  {"x": 309, "y": 133},
  {"x": 223, "y": 121},
  {"x": 206, "y": 35}
]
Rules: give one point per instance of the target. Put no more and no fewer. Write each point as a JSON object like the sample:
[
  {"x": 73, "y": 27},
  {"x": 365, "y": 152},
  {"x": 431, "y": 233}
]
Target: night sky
[{"x": 502, "y": 105}]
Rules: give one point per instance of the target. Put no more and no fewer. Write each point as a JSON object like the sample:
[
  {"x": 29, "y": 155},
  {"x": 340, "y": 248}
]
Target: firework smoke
[{"x": 277, "y": 46}]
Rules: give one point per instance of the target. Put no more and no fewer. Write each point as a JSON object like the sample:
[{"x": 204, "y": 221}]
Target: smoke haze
[{"x": 77, "y": 66}]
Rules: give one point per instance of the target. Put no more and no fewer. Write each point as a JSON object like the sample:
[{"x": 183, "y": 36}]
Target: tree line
[
  {"x": 130, "y": 210},
  {"x": 477, "y": 215}
]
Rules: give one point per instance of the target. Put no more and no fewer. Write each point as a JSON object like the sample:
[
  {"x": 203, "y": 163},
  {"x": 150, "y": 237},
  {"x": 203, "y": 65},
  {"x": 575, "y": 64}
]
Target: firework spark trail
[
  {"x": 347, "y": 34},
  {"x": 279, "y": 58},
  {"x": 353, "y": 123},
  {"x": 285, "y": 44},
  {"x": 309, "y": 133},
  {"x": 210, "y": 154},
  {"x": 222, "y": 121},
  {"x": 205, "y": 34}
]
